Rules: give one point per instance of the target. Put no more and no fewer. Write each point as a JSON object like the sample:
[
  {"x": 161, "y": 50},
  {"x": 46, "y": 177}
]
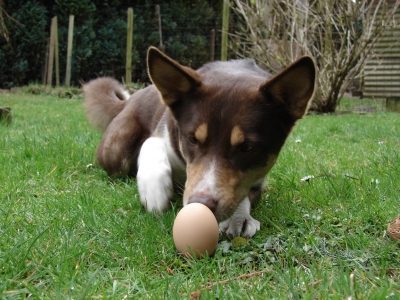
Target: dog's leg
[
  {"x": 255, "y": 193},
  {"x": 119, "y": 147},
  {"x": 241, "y": 222},
  {"x": 154, "y": 177}
]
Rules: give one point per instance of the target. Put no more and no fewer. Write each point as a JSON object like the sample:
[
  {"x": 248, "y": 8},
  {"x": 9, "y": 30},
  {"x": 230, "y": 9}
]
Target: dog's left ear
[
  {"x": 170, "y": 78},
  {"x": 293, "y": 87}
]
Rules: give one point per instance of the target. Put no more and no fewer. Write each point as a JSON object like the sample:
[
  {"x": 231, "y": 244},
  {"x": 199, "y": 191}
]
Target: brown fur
[
  {"x": 229, "y": 117},
  {"x": 100, "y": 111}
]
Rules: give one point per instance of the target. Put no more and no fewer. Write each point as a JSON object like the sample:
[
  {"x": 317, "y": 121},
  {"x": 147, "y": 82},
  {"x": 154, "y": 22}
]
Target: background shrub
[
  {"x": 99, "y": 45},
  {"x": 21, "y": 58}
]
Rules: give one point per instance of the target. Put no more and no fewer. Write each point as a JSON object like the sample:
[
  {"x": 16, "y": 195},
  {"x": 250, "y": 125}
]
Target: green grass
[{"x": 69, "y": 231}]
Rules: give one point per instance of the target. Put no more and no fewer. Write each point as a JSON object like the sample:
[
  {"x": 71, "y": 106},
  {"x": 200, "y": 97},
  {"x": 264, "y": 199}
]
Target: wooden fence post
[
  {"x": 128, "y": 67},
  {"x": 212, "y": 45},
  {"x": 51, "y": 52},
  {"x": 393, "y": 104},
  {"x": 46, "y": 62},
  {"x": 5, "y": 115},
  {"x": 56, "y": 51},
  {"x": 225, "y": 28},
  {"x": 158, "y": 14},
  {"x": 69, "y": 50}
]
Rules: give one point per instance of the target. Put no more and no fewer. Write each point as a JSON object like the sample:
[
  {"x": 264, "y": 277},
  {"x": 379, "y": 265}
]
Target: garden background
[
  {"x": 99, "y": 45},
  {"x": 67, "y": 230}
]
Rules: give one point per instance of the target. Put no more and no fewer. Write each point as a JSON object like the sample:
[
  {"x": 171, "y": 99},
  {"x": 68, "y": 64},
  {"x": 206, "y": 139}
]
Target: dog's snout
[{"x": 206, "y": 200}]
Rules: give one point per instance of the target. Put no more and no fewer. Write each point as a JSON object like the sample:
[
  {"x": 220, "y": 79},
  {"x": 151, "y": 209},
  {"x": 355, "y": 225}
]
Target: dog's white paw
[
  {"x": 236, "y": 226},
  {"x": 240, "y": 222},
  {"x": 154, "y": 177}
]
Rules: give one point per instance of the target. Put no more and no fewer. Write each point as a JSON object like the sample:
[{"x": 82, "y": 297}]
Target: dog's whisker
[{"x": 179, "y": 188}]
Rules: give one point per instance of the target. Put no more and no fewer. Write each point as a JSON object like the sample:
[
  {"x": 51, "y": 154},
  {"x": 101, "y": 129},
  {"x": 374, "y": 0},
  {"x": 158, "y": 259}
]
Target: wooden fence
[
  {"x": 52, "y": 53},
  {"x": 382, "y": 72}
]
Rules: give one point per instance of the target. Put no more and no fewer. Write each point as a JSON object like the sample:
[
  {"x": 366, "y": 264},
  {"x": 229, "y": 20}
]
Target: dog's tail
[{"x": 104, "y": 100}]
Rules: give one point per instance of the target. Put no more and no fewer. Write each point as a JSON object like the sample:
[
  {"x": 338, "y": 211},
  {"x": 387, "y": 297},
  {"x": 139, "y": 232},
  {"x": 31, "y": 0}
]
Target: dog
[{"x": 215, "y": 132}]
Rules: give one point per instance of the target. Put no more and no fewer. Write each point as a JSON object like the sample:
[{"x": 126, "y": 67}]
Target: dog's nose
[{"x": 206, "y": 200}]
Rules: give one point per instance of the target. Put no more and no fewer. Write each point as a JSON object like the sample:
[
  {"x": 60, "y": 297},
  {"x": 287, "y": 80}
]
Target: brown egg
[{"x": 195, "y": 231}]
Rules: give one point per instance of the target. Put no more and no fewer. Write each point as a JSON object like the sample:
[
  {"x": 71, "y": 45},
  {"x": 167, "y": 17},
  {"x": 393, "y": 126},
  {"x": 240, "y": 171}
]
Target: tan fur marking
[
  {"x": 201, "y": 133},
  {"x": 194, "y": 175},
  {"x": 237, "y": 136}
]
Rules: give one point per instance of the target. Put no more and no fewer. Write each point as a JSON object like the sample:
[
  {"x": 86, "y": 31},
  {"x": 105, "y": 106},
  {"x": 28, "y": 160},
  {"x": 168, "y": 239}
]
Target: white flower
[
  {"x": 307, "y": 178},
  {"x": 376, "y": 181}
]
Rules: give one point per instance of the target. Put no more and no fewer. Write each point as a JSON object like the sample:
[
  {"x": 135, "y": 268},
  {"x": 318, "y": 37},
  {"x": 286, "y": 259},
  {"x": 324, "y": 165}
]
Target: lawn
[{"x": 67, "y": 230}]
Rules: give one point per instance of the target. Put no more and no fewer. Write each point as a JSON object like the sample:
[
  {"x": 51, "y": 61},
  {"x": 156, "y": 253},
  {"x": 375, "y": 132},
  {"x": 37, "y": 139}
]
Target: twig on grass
[
  {"x": 316, "y": 282},
  {"x": 196, "y": 294},
  {"x": 169, "y": 270}
]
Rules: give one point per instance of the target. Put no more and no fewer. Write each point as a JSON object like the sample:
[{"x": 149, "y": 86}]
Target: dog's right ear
[{"x": 170, "y": 78}]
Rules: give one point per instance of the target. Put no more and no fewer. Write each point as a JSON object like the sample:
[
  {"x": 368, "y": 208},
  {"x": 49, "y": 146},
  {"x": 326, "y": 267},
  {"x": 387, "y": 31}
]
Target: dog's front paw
[
  {"x": 154, "y": 177},
  {"x": 237, "y": 225},
  {"x": 155, "y": 191},
  {"x": 240, "y": 222}
]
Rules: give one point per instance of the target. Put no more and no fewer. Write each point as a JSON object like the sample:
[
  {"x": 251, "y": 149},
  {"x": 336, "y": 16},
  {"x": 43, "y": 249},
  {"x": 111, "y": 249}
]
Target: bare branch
[{"x": 340, "y": 35}]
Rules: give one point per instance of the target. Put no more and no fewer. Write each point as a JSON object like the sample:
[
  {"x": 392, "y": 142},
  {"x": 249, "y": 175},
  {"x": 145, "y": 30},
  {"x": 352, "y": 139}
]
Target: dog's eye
[
  {"x": 246, "y": 147},
  {"x": 193, "y": 140}
]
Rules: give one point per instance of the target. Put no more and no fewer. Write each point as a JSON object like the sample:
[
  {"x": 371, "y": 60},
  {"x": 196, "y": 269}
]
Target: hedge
[{"x": 99, "y": 45}]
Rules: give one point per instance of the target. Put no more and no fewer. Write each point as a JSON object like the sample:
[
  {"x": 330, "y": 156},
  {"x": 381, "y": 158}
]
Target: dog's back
[
  {"x": 245, "y": 67},
  {"x": 105, "y": 98}
]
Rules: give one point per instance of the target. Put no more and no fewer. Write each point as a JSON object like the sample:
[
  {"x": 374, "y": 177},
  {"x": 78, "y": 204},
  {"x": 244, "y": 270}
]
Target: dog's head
[{"x": 232, "y": 123}]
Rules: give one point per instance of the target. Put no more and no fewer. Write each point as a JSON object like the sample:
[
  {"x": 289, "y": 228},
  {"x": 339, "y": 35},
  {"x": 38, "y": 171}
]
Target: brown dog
[{"x": 216, "y": 131}]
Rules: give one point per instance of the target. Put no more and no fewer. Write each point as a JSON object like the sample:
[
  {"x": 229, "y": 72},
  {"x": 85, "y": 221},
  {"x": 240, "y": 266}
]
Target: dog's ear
[
  {"x": 293, "y": 87},
  {"x": 170, "y": 78}
]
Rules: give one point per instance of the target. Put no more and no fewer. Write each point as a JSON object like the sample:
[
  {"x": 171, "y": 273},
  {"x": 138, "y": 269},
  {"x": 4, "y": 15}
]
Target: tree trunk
[{"x": 322, "y": 104}]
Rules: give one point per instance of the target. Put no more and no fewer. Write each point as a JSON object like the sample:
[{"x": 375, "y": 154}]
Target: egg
[{"x": 195, "y": 231}]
